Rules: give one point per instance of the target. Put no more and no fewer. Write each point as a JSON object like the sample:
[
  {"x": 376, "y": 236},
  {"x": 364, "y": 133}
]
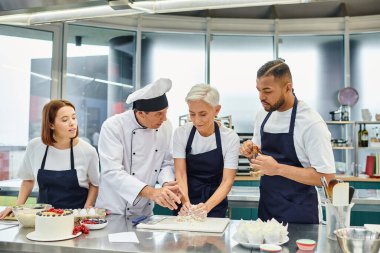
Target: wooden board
[
  {"x": 210, "y": 225},
  {"x": 10, "y": 218}
]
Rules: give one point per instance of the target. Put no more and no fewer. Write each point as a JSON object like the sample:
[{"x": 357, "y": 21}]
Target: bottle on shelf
[
  {"x": 360, "y": 135},
  {"x": 364, "y": 137}
]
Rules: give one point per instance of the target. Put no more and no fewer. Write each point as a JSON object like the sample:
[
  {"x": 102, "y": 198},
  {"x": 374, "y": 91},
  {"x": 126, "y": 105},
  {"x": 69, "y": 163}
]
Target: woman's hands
[
  {"x": 185, "y": 209},
  {"x": 7, "y": 211},
  {"x": 197, "y": 211}
]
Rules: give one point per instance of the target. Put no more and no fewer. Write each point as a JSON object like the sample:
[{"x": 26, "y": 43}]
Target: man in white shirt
[
  {"x": 134, "y": 152},
  {"x": 295, "y": 146}
]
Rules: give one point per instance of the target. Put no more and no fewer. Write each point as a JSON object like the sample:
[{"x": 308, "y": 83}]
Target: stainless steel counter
[
  {"x": 240, "y": 196},
  {"x": 14, "y": 239}
]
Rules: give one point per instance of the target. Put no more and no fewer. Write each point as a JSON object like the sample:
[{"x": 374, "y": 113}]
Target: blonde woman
[{"x": 205, "y": 155}]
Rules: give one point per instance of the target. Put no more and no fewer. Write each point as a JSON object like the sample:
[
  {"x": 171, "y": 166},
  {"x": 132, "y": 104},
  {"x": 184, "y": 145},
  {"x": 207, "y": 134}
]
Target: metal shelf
[
  {"x": 344, "y": 148},
  {"x": 339, "y": 122},
  {"x": 363, "y": 148},
  {"x": 344, "y": 130},
  {"x": 368, "y": 122}
]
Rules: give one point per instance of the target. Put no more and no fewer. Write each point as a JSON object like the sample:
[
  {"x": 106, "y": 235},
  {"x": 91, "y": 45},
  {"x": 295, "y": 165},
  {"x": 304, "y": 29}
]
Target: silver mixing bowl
[{"x": 357, "y": 240}]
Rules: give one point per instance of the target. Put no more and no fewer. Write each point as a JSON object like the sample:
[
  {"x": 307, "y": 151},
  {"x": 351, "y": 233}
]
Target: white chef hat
[{"x": 152, "y": 97}]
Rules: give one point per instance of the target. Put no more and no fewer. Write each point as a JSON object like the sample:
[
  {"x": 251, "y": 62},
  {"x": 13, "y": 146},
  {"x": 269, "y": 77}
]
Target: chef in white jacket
[{"x": 134, "y": 151}]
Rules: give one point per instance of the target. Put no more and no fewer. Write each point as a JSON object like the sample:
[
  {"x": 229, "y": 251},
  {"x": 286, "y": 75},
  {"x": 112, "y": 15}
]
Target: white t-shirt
[
  {"x": 230, "y": 144},
  {"x": 312, "y": 139},
  {"x": 86, "y": 161}
]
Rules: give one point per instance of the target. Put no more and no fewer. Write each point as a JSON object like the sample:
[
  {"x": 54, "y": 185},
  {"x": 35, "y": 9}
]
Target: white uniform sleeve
[
  {"x": 93, "y": 169},
  {"x": 179, "y": 143},
  {"x": 26, "y": 169},
  {"x": 317, "y": 143},
  {"x": 232, "y": 153},
  {"x": 111, "y": 152}
]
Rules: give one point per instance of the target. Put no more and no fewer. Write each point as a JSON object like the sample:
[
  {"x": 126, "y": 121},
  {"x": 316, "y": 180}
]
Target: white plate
[
  {"x": 95, "y": 226},
  {"x": 35, "y": 237},
  {"x": 256, "y": 246}
]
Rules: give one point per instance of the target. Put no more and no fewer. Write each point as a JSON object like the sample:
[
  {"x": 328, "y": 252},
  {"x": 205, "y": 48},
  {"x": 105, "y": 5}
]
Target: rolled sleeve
[
  {"x": 231, "y": 159},
  {"x": 179, "y": 143},
  {"x": 318, "y": 148},
  {"x": 25, "y": 171},
  {"x": 93, "y": 170}
]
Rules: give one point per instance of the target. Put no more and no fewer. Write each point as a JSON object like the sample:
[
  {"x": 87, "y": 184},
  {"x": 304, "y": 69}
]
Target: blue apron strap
[
  {"x": 264, "y": 122},
  {"x": 190, "y": 140},
  {"x": 293, "y": 117},
  {"x": 72, "y": 155},
  {"x": 217, "y": 136},
  {"x": 44, "y": 159}
]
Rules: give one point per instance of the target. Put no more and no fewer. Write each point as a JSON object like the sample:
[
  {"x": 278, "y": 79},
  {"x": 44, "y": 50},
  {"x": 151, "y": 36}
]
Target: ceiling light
[
  {"x": 119, "y": 4},
  {"x": 65, "y": 15},
  {"x": 165, "y": 6}
]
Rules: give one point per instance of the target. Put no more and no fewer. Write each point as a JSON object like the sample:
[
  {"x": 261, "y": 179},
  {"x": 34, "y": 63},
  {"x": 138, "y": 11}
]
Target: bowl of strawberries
[{"x": 94, "y": 223}]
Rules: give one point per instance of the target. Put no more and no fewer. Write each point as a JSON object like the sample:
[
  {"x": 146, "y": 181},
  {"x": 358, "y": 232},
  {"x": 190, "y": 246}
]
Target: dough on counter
[{"x": 192, "y": 215}]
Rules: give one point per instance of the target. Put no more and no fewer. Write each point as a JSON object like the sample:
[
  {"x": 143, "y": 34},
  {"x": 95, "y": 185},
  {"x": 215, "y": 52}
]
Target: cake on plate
[{"x": 54, "y": 223}]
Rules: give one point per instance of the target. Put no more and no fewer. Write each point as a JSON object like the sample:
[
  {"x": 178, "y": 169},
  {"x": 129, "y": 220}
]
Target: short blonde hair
[{"x": 203, "y": 92}]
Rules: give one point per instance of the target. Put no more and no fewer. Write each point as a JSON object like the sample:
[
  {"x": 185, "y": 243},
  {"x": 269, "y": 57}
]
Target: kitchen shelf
[
  {"x": 368, "y": 122},
  {"x": 346, "y": 130},
  {"x": 348, "y": 148},
  {"x": 339, "y": 122},
  {"x": 346, "y": 154},
  {"x": 368, "y": 148}
]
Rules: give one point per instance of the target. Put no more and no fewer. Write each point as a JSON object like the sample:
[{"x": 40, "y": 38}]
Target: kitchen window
[
  {"x": 234, "y": 61},
  {"x": 100, "y": 75},
  {"x": 179, "y": 57},
  {"x": 25, "y": 70},
  {"x": 317, "y": 66}
]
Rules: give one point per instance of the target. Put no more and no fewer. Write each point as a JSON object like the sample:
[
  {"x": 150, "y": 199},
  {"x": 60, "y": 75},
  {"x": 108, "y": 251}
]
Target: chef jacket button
[
  {"x": 133, "y": 173},
  {"x": 155, "y": 170},
  {"x": 134, "y": 153},
  {"x": 156, "y": 150},
  {"x": 160, "y": 170},
  {"x": 148, "y": 203},
  {"x": 128, "y": 208},
  {"x": 156, "y": 130},
  {"x": 134, "y": 132}
]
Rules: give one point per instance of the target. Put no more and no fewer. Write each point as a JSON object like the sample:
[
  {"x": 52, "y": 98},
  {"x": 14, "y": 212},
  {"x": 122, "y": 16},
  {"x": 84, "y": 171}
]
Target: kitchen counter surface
[
  {"x": 14, "y": 240},
  {"x": 344, "y": 178},
  {"x": 242, "y": 196}
]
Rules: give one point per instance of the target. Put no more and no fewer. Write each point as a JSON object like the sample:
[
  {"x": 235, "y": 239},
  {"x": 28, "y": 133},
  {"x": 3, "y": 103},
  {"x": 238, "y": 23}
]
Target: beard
[{"x": 276, "y": 105}]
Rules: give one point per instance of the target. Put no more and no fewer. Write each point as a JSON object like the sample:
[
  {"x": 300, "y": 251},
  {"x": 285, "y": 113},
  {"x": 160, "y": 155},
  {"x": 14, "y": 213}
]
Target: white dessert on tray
[{"x": 254, "y": 233}]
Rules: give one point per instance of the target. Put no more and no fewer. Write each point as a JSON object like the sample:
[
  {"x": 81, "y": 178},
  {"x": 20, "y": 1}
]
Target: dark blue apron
[
  {"x": 60, "y": 188},
  {"x": 205, "y": 173},
  {"x": 281, "y": 198}
]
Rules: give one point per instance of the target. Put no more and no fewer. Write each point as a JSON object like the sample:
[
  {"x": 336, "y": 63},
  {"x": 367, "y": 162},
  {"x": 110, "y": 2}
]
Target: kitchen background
[{"x": 96, "y": 63}]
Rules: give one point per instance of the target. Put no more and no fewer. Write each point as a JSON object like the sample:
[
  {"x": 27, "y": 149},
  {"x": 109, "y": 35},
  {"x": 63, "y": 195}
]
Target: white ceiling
[{"x": 43, "y": 11}]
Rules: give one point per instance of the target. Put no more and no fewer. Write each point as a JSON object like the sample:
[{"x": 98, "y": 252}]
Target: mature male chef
[
  {"x": 134, "y": 152},
  {"x": 296, "y": 148}
]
